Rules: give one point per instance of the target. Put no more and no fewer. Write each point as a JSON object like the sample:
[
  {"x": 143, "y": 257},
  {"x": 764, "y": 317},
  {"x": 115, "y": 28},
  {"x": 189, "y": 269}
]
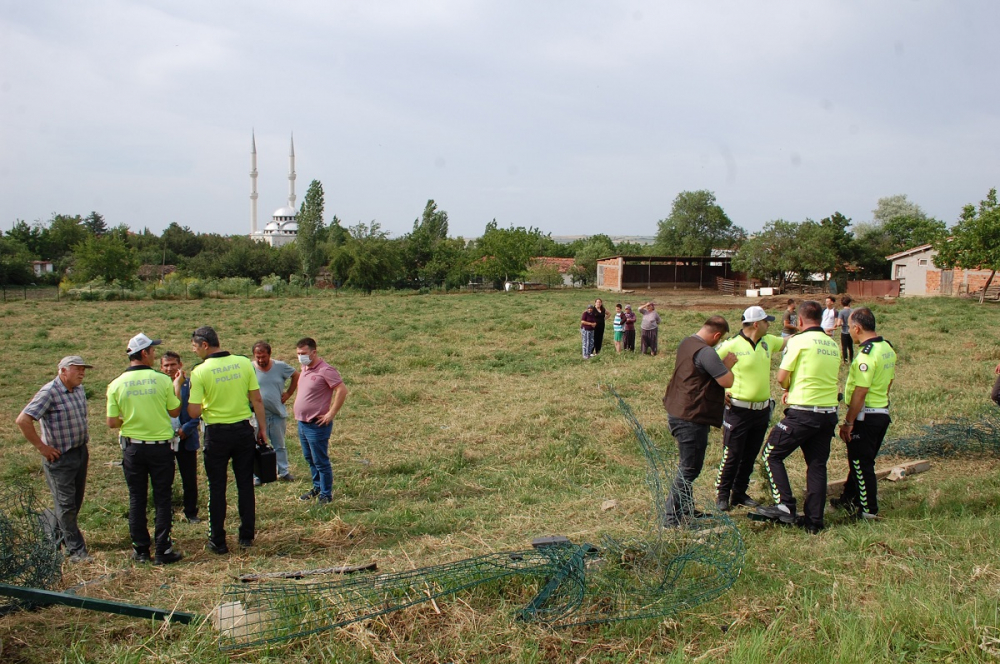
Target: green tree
[
  {"x": 585, "y": 261},
  {"x": 897, "y": 224},
  {"x": 30, "y": 237},
  {"x": 15, "y": 262},
  {"x": 503, "y": 254},
  {"x": 785, "y": 250},
  {"x": 975, "y": 240},
  {"x": 94, "y": 223},
  {"x": 696, "y": 225},
  {"x": 105, "y": 257},
  {"x": 310, "y": 220},
  {"x": 424, "y": 262},
  {"x": 63, "y": 234},
  {"x": 181, "y": 240},
  {"x": 541, "y": 272},
  {"x": 367, "y": 260}
]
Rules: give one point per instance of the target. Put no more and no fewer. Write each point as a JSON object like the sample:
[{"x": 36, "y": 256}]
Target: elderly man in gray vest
[{"x": 695, "y": 401}]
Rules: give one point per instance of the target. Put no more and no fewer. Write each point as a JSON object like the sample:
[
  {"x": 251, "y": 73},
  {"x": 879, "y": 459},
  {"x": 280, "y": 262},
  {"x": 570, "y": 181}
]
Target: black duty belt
[{"x": 232, "y": 425}]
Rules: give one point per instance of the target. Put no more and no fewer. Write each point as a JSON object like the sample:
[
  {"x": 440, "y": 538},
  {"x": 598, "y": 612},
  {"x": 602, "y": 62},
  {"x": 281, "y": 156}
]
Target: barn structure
[{"x": 618, "y": 273}]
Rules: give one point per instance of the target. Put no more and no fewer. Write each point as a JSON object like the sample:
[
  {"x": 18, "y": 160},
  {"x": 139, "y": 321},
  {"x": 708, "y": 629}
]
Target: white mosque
[{"x": 283, "y": 227}]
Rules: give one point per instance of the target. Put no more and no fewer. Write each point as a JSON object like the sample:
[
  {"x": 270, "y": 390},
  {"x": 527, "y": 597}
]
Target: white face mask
[{"x": 305, "y": 360}]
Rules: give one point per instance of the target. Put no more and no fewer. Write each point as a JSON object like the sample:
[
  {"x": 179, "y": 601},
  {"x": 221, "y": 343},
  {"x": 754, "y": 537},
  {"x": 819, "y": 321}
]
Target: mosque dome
[
  {"x": 284, "y": 212},
  {"x": 290, "y": 227},
  {"x": 273, "y": 226}
]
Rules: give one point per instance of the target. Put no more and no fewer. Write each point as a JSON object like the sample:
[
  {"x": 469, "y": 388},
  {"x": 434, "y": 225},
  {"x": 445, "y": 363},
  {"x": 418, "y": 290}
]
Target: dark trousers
[
  {"x": 648, "y": 340},
  {"x": 144, "y": 465},
  {"x": 629, "y": 340},
  {"x": 846, "y": 347},
  {"x": 67, "y": 480},
  {"x": 187, "y": 466},
  {"x": 861, "y": 488},
  {"x": 222, "y": 443},
  {"x": 692, "y": 441},
  {"x": 598, "y": 338},
  {"x": 743, "y": 433},
  {"x": 812, "y": 432}
]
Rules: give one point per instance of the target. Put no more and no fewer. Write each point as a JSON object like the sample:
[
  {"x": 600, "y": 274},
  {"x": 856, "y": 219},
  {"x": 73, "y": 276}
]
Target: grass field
[{"x": 474, "y": 425}]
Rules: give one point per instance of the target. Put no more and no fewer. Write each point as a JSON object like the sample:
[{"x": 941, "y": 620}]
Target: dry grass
[{"x": 473, "y": 425}]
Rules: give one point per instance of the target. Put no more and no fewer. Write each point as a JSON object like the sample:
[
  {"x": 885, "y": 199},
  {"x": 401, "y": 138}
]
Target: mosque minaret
[{"x": 283, "y": 227}]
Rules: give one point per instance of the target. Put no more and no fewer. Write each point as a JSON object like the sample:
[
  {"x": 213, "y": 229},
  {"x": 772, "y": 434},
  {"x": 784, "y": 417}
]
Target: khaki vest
[{"x": 693, "y": 395}]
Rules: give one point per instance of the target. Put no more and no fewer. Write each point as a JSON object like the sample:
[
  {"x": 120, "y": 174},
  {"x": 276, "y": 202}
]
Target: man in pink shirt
[{"x": 321, "y": 394}]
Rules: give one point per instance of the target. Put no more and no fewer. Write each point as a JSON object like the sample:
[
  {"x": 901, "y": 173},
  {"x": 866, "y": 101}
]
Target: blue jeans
[
  {"x": 276, "y": 436},
  {"x": 315, "y": 439}
]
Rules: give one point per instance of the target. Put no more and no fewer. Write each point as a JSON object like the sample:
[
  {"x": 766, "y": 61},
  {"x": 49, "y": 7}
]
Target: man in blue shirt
[{"x": 187, "y": 430}]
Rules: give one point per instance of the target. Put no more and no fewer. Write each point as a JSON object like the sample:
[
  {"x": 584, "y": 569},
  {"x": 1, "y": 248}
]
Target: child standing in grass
[{"x": 619, "y": 327}]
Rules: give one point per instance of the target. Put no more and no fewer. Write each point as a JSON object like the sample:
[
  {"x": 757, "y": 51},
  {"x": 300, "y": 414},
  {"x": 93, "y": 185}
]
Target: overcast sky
[{"x": 577, "y": 117}]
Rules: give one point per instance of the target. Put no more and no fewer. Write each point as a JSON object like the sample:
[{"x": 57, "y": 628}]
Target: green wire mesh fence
[
  {"x": 670, "y": 570},
  {"x": 29, "y": 555},
  {"x": 977, "y": 435}
]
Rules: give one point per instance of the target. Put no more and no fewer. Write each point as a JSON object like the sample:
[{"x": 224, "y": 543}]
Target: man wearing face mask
[
  {"x": 321, "y": 394},
  {"x": 222, "y": 388}
]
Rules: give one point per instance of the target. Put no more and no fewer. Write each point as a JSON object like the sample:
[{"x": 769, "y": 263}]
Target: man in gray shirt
[
  {"x": 272, "y": 375},
  {"x": 843, "y": 317}
]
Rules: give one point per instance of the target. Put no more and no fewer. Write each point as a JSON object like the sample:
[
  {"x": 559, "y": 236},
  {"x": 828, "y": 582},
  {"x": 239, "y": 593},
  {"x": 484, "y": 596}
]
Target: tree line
[{"x": 364, "y": 256}]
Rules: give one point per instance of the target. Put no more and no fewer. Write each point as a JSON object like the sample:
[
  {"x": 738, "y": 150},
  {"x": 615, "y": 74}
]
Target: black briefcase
[{"x": 265, "y": 463}]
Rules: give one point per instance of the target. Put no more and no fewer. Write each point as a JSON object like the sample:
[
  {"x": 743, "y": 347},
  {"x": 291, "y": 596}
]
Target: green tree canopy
[
  {"x": 15, "y": 262},
  {"x": 696, "y": 225},
  {"x": 367, "y": 260},
  {"x": 310, "y": 221},
  {"x": 104, "y": 257},
  {"x": 94, "y": 223},
  {"x": 786, "y": 250},
  {"x": 975, "y": 240},
  {"x": 503, "y": 253}
]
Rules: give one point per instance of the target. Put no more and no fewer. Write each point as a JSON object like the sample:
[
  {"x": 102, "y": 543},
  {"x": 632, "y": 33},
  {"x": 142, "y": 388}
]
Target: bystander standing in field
[
  {"x": 790, "y": 320},
  {"x": 808, "y": 377},
  {"x": 618, "y": 325},
  {"x": 602, "y": 316},
  {"x": 694, "y": 401},
  {"x": 748, "y": 406},
  {"x": 829, "y": 319},
  {"x": 843, "y": 318},
  {"x": 867, "y": 419},
  {"x": 189, "y": 438},
  {"x": 588, "y": 321},
  {"x": 650, "y": 328},
  {"x": 272, "y": 376},
  {"x": 60, "y": 408},
  {"x": 223, "y": 388},
  {"x": 321, "y": 395},
  {"x": 141, "y": 402},
  {"x": 629, "y": 317}
]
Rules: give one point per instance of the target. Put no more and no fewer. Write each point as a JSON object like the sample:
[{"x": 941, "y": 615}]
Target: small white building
[
  {"x": 42, "y": 267},
  {"x": 283, "y": 227}
]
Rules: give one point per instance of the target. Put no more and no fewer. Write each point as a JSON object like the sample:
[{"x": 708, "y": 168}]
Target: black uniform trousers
[
  {"x": 846, "y": 348},
  {"x": 861, "y": 488},
  {"x": 144, "y": 465},
  {"x": 599, "y": 336},
  {"x": 187, "y": 466},
  {"x": 812, "y": 432},
  {"x": 222, "y": 443},
  {"x": 743, "y": 433}
]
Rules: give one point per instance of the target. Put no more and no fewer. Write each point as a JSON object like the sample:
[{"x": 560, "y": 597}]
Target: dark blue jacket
[{"x": 189, "y": 426}]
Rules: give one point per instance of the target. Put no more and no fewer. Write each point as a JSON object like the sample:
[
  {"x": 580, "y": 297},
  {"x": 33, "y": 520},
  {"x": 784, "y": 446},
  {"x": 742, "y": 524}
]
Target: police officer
[
  {"x": 808, "y": 376},
  {"x": 141, "y": 402},
  {"x": 222, "y": 388},
  {"x": 748, "y": 406},
  {"x": 867, "y": 419}
]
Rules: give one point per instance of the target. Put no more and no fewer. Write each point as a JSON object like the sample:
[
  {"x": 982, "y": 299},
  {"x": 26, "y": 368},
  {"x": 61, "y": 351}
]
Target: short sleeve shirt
[
  {"x": 221, "y": 384},
  {"x": 272, "y": 386},
  {"x": 813, "y": 358},
  {"x": 752, "y": 371},
  {"x": 650, "y": 319},
  {"x": 141, "y": 397},
  {"x": 829, "y": 319},
  {"x": 316, "y": 385},
  {"x": 707, "y": 361},
  {"x": 62, "y": 415},
  {"x": 843, "y": 316},
  {"x": 874, "y": 367}
]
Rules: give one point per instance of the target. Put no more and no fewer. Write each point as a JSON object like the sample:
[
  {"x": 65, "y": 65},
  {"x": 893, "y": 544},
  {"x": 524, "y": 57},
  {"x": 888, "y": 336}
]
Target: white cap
[
  {"x": 755, "y": 314},
  {"x": 140, "y": 342}
]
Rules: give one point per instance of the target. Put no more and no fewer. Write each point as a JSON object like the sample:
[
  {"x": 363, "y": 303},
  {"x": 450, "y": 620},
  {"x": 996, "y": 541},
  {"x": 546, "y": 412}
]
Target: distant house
[
  {"x": 42, "y": 267},
  {"x": 917, "y": 275},
  {"x": 561, "y": 264}
]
